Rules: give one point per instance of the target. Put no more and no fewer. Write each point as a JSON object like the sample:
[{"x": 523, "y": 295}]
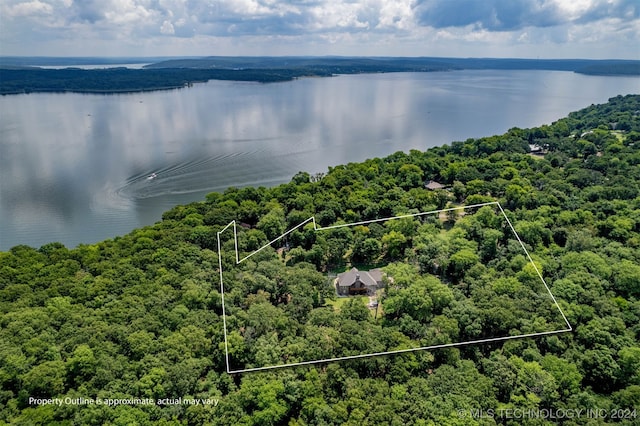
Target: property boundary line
[{"x": 343, "y": 358}]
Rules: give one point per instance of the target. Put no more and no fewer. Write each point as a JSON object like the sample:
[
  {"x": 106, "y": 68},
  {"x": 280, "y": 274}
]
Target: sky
[{"x": 591, "y": 29}]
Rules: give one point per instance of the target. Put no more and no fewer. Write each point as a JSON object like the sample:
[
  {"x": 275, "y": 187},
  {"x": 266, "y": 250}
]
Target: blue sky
[{"x": 595, "y": 29}]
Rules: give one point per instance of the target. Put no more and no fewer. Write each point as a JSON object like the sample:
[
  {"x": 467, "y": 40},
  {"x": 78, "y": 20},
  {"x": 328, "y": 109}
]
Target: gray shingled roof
[
  {"x": 368, "y": 278},
  {"x": 376, "y": 274},
  {"x": 432, "y": 184},
  {"x": 345, "y": 279}
]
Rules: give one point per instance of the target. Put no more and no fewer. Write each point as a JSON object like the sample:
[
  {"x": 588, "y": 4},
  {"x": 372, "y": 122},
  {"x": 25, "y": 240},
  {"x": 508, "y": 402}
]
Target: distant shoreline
[
  {"x": 16, "y": 77},
  {"x": 93, "y": 91}
]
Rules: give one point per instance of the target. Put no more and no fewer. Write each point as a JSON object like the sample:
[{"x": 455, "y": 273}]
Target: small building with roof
[
  {"x": 355, "y": 282},
  {"x": 536, "y": 149},
  {"x": 433, "y": 185}
]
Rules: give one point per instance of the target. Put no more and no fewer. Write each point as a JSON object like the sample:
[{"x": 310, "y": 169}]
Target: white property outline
[{"x": 342, "y": 358}]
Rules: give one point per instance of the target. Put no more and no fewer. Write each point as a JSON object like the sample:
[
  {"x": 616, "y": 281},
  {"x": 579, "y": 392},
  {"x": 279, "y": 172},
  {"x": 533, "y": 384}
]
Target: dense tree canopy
[{"x": 136, "y": 322}]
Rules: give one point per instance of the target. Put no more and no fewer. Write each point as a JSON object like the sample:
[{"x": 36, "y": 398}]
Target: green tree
[
  {"x": 461, "y": 261},
  {"x": 82, "y": 364},
  {"x": 367, "y": 251},
  {"x": 394, "y": 243},
  {"x": 272, "y": 223},
  {"x": 45, "y": 380},
  {"x": 410, "y": 176}
]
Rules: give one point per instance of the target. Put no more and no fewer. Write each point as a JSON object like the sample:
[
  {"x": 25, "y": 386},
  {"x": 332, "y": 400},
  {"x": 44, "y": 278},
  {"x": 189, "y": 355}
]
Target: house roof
[
  {"x": 368, "y": 278},
  {"x": 345, "y": 279},
  {"x": 376, "y": 274},
  {"x": 432, "y": 184}
]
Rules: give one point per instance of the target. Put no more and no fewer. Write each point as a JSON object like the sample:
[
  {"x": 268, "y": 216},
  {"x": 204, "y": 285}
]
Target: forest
[
  {"x": 350, "y": 65},
  {"x": 131, "y": 330},
  {"x": 19, "y": 75},
  {"x": 123, "y": 80}
]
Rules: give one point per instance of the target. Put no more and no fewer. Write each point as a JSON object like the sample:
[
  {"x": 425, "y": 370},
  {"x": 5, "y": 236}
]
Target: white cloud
[
  {"x": 129, "y": 12},
  {"x": 336, "y": 14},
  {"x": 573, "y": 9},
  {"x": 413, "y": 27},
  {"x": 523, "y": 37},
  {"x": 167, "y": 28},
  {"x": 29, "y": 9},
  {"x": 397, "y": 14}
]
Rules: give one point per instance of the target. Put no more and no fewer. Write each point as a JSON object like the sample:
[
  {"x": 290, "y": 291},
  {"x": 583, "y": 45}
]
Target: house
[
  {"x": 354, "y": 282},
  {"x": 433, "y": 185},
  {"x": 536, "y": 149}
]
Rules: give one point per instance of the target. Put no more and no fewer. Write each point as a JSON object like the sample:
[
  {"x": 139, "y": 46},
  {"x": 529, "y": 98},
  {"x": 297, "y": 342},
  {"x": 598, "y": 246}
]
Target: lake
[{"x": 80, "y": 168}]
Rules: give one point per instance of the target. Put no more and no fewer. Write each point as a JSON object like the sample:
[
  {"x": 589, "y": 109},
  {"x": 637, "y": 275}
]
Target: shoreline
[{"x": 180, "y": 73}]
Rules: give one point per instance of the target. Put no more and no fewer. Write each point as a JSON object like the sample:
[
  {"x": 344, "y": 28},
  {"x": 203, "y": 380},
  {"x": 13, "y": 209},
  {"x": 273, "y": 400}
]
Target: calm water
[{"x": 74, "y": 168}]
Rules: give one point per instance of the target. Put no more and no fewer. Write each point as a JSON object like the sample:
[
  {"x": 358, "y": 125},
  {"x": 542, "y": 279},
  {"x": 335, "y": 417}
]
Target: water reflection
[{"x": 74, "y": 168}]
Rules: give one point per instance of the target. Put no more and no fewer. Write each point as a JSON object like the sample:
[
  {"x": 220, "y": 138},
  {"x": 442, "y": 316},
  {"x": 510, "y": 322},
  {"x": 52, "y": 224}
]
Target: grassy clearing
[
  {"x": 618, "y": 134},
  {"x": 340, "y": 301}
]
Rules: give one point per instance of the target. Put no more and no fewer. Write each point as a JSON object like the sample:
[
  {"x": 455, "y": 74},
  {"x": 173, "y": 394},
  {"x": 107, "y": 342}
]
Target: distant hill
[
  {"x": 70, "y": 61},
  {"x": 612, "y": 68},
  {"x": 400, "y": 64},
  {"x": 21, "y": 75},
  {"x": 338, "y": 65},
  {"x": 119, "y": 80}
]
